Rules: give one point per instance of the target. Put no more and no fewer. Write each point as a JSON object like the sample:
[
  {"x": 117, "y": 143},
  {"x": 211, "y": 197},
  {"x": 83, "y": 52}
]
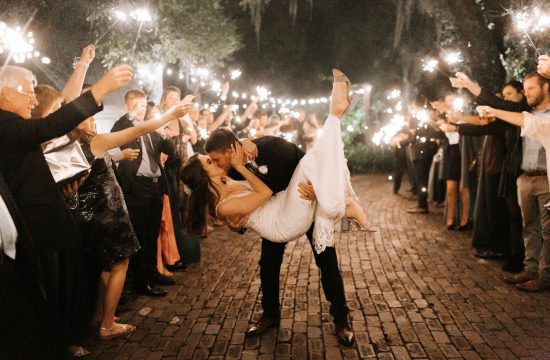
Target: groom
[{"x": 274, "y": 162}]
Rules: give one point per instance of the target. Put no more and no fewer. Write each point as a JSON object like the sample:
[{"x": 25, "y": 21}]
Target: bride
[{"x": 284, "y": 216}]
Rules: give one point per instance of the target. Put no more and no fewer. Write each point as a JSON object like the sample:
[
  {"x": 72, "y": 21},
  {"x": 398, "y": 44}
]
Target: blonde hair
[{"x": 133, "y": 94}]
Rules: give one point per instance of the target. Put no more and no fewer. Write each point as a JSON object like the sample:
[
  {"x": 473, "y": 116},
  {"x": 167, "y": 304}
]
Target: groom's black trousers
[{"x": 331, "y": 279}]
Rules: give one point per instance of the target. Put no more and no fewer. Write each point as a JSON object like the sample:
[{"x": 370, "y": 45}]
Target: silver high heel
[
  {"x": 354, "y": 97},
  {"x": 346, "y": 226}
]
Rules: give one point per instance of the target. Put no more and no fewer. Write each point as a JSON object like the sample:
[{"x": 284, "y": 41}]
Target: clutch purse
[{"x": 66, "y": 160}]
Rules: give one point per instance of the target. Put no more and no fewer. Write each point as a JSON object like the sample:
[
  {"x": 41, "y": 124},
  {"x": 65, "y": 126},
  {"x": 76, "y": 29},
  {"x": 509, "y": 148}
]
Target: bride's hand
[{"x": 237, "y": 155}]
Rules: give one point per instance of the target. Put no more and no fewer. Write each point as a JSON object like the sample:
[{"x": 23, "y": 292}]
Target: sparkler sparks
[
  {"x": 453, "y": 58},
  {"x": 235, "y": 74},
  {"x": 429, "y": 65}
]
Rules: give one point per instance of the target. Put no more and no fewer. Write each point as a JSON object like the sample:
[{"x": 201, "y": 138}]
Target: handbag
[{"x": 66, "y": 160}]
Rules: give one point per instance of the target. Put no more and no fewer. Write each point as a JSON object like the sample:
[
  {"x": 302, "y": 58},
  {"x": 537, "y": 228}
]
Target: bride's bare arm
[
  {"x": 244, "y": 205},
  {"x": 103, "y": 142}
]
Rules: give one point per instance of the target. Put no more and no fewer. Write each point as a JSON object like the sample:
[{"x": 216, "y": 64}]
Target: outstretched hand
[
  {"x": 237, "y": 155},
  {"x": 486, "y": 111}
]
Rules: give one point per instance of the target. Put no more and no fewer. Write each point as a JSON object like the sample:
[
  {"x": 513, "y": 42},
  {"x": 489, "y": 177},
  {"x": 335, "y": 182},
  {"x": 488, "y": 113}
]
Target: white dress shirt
[{"x": 8, "y": 231}]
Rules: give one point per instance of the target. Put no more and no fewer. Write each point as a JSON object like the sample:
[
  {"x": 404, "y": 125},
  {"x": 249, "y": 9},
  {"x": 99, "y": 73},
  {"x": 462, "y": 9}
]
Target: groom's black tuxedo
[{"x": 277, "y": 159}]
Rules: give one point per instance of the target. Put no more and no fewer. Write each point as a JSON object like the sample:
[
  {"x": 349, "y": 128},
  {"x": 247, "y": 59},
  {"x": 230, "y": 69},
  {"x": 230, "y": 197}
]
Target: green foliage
[
  {"x": 184, "y": 32},
  {"x": 363, "y": 156}
]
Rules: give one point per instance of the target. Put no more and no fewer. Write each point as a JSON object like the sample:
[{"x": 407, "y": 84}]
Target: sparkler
[
  {"x": 530, "y": 20},
  {"x": 19, "y": 46},
  {"x": 431, "y": 65},
  {"x": 458, "y": 104},
  {"x": 120, "y": 17},
  {"x": 235, "y": 74},
  {"x": 453, "y": 57}
]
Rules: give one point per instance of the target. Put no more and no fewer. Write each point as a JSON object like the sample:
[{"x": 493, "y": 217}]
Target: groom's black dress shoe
[
  {"x": 344, "y": 333},
  {"x": 261, "y": 326}
]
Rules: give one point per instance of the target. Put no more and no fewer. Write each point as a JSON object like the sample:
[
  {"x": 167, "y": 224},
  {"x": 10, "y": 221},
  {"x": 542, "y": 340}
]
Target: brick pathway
[{"x": 414, "y": 290}]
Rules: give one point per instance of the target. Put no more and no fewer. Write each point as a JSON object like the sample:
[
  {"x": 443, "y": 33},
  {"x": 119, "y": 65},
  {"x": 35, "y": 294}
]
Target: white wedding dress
[{"x": 286, "y": 216}]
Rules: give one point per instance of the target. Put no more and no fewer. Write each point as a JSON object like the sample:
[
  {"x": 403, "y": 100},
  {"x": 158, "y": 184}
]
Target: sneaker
[
  {"x": 520, "y": 278},
  {"x": 535, "y": 285}
]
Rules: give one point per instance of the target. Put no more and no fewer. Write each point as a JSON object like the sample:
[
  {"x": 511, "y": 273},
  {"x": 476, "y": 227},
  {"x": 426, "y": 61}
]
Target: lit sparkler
[
  {"x": 235, "y": 74},
  {"x": 453, "y": 57},
  {"x": 430, "y": 65}
]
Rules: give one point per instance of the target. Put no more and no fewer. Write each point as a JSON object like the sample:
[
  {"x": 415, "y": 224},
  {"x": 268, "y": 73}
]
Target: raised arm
[
  {"x": 103, "y": 142},
  {"x": 220, "y": 119},
  {"x": 73, "y": 87},
  {"x": 246, "y": 204}
]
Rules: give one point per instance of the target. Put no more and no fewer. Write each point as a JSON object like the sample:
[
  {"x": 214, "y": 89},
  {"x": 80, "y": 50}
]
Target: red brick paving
[{"x": 414, "y": 290}]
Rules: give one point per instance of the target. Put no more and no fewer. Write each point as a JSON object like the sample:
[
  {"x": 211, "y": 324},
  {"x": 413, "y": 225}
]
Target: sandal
[
  {"x": 97, "y": 323},
  {"x": 116, "y": 331},
  {"x": 354, "y": 97},
  {"x": 78, "y": 351}
]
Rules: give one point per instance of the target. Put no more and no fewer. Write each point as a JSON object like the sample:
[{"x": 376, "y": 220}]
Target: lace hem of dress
[{"x": 323, "y": 233}]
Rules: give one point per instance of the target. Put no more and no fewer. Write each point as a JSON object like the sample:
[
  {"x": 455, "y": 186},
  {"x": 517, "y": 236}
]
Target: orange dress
[{"x": 167, "y": 250}]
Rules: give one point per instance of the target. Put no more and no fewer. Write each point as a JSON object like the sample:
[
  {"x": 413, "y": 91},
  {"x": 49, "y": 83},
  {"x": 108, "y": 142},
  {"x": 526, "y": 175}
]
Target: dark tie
[{"x": 150, "y": 153}]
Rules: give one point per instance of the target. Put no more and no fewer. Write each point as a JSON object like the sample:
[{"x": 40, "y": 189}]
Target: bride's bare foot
[{"x": 339, "y": 98}]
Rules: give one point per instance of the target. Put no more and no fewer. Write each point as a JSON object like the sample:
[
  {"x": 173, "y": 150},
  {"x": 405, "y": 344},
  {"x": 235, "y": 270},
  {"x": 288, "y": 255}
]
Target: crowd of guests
[
  {"x": 68, "y": 244},
  {"x": 487, "y": 169}
]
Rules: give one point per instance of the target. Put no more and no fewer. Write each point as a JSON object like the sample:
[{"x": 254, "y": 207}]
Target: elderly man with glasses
[{"x": 28, "y": 178}]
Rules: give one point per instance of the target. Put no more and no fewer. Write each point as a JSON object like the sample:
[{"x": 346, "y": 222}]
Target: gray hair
[{"x": 11, "y": 76}]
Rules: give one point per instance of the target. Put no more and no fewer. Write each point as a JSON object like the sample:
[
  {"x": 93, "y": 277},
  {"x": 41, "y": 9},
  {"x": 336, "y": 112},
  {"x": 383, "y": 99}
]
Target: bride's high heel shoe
[
  {"x": 355, "y": 216},
  {"x": 346, "y": 225},
  {"x": 354, "y": 97}
]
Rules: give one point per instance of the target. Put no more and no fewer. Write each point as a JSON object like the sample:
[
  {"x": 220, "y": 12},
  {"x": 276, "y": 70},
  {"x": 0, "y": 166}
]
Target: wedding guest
[
  {"x": 27, "y": 174},
  {"x": 513, "y": 100},
  {"x": 167, "y": 250},
  {"x": 23, "y": 329},
  {"x": 533, "y": 189},
  {"x": 140, "y": 180},
  {"x": 183, "y": 134}
]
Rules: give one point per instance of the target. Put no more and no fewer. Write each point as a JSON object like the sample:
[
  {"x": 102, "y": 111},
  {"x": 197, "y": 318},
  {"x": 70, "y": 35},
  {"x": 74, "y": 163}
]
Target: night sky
[{"x": 295, "y": 59}]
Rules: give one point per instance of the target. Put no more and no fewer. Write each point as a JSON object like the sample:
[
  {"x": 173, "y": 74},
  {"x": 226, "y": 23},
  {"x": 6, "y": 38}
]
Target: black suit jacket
[
  {"x": 127, "y": 169},
  {"x": 26, "y": 252},
  {"x": 27, "y": 175},
  {"x": 281, "y": 158}
]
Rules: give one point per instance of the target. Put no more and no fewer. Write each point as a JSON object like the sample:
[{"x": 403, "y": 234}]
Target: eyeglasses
[{"x": 28, "y": 93}]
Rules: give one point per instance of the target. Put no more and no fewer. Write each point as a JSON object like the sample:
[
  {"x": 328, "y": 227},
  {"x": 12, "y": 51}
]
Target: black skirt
[{"x": 453, "y": 170}]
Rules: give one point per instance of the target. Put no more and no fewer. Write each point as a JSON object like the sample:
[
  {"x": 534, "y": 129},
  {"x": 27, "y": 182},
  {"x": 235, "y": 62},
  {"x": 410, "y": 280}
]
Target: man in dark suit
[
  {"x": 26, "y": 172},
  {"x": 274, "y": 164},
  {"x": 142, "y": 181},
  {"x": 23, "y": 329}
]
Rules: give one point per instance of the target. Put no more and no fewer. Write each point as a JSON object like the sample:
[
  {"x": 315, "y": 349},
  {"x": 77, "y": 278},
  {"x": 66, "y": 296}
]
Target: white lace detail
[{"x": 323, "y": 234}]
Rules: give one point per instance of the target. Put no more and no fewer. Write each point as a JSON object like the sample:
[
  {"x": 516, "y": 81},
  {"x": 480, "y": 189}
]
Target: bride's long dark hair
[{"x": 202, "y": 196}]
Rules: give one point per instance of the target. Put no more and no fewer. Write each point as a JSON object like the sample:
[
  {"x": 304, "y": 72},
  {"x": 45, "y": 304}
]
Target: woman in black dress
[{"x": 105, "y": 225}]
